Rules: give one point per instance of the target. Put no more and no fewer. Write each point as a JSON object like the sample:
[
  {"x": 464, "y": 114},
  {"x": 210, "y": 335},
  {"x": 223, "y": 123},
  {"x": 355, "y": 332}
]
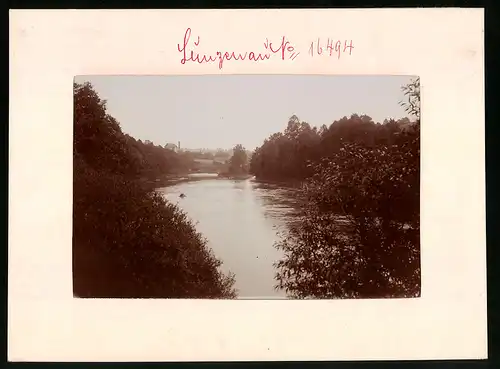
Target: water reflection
[{"x": 240, "y": 219}]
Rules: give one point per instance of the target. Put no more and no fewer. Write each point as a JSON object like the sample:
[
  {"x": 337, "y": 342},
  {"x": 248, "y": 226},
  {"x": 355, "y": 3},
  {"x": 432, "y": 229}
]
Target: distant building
[{"x": 172, "y": 146}]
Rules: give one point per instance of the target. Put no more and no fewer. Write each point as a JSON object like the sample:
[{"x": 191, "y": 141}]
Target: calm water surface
[{"x": 240, "y": 219}]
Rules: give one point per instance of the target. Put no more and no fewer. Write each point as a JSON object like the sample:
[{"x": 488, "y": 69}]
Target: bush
[
  {"x": 360, "y": 233},
  {"x": 128, "y": 241}
]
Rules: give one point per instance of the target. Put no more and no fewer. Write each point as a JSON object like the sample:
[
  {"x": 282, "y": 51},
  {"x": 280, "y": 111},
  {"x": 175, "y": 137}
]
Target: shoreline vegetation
[
  {"x": 356, "y": 234},
  {"x": 128, "y": 241}
]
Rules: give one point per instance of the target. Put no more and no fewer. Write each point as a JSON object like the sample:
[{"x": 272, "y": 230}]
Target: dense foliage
[
  {"x": 359, "y": 236},
  {"x": 287, "y": 155},
  {"x": 129, "y": 241},
  {"x": 284, "y": 156},
  {"x": 238, "y": 163}
]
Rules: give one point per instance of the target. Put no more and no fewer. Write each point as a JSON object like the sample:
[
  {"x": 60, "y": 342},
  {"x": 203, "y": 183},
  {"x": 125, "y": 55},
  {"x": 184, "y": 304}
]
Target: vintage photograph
[{"x": 246, "y": 187}]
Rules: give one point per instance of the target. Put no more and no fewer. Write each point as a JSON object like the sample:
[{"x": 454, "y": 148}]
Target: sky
[{"x": 220, "y": 111}]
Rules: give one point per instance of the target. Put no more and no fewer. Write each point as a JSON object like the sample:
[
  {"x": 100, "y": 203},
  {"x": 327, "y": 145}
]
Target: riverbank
[
  {"x": 128, "y": 241},
  {"x": 168, "y": 180},
  {"x": 235, "y": 177},
  {"x": 295, "y": 184},
  {"x": 171, "y": 180}
]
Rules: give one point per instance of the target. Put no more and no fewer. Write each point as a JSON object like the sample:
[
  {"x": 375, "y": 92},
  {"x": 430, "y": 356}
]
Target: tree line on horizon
[{"x": 359, "y": 234}]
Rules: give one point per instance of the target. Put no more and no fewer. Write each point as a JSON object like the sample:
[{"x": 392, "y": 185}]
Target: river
[{"x": 240, "y": 219}]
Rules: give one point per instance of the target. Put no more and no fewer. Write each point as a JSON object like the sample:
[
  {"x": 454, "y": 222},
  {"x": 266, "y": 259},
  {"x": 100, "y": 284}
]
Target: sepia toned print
[{"x": 215, "y": 187}]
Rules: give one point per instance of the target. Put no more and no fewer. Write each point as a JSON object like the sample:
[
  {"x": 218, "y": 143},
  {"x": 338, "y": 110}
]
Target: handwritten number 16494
[{"x": 331, "y": 48}]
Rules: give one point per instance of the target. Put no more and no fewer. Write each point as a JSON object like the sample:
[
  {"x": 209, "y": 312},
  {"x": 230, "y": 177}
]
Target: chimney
[{"x": 179, "y": 145}]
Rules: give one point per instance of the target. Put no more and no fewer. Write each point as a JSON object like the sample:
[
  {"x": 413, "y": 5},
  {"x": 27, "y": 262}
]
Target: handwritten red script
[
  {"x": 331, "y": 46},
  {"x": 283, "y": 49}
]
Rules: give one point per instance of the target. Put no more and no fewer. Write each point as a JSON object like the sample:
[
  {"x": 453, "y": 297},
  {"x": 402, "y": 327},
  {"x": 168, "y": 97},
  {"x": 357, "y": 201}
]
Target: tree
[
  {"x": 239, "y": 161},
  {"x": 129, "y": 242},
  {"x": 286, "y": 155},
  {"x": 290, "y": 155},
  {"x": 98, "y": 136},
  {"x": 360, "y": 232},
  {"x": 412, "y": 93}
]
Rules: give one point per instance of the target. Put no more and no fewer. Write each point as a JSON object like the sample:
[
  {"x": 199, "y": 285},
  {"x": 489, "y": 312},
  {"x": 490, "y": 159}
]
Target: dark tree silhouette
[
  {"x": 238, "y": 163},
  {"x": 129, "y": 241},
  {"x": 359, "y": 234}
]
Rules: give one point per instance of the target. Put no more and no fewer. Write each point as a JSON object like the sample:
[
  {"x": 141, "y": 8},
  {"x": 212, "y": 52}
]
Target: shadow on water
[{"x": 279, "y": 201}]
